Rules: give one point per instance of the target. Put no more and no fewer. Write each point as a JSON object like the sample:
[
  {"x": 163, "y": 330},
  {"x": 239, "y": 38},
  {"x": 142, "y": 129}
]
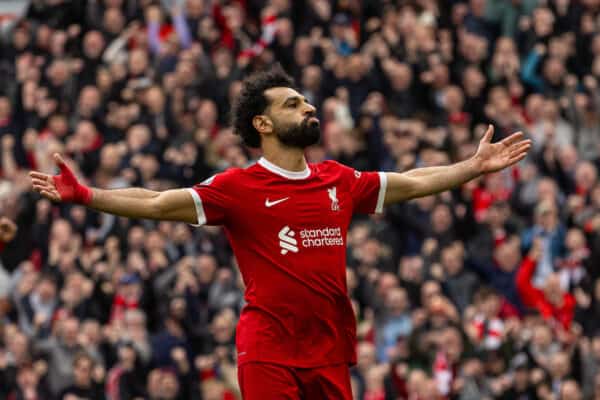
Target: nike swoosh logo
[{"x": 273, "y": 203}]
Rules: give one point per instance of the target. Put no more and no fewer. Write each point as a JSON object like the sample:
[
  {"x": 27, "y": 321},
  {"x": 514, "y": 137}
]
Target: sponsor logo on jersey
[
  {"x": 323, "y": 237},
  {"x": 287, "y": 241}
]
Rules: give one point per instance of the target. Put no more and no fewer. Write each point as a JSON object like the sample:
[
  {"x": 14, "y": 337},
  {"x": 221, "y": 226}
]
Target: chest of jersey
[{"x": 299, "y": 218}]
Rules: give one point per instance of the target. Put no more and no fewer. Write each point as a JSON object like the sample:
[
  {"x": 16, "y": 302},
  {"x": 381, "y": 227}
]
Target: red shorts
[{"x": 263, "y": 381}]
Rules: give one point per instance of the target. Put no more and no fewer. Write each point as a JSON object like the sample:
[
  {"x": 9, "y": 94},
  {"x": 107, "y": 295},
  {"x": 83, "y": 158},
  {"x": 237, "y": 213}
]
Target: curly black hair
[{"x": 252, "y": 101}]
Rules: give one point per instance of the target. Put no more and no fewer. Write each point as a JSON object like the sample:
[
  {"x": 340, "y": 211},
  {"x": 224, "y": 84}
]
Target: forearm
[
  {"x": 428, "y": 181},
  {"x": 130, "y": 202},
  {"x": 426, "y": 171}
]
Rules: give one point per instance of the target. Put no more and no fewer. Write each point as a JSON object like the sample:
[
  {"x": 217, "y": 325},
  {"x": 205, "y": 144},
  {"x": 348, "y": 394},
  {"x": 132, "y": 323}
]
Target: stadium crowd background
[{"x": 489, "y": 291}]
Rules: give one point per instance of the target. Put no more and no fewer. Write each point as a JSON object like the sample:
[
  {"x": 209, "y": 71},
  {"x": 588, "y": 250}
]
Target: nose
[{"x": 309, "y": 109}]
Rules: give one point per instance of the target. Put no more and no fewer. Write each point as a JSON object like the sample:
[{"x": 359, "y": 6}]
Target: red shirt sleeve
[
  {"x": 367, "y": 190},
  {"x": 214, "y": 198}
]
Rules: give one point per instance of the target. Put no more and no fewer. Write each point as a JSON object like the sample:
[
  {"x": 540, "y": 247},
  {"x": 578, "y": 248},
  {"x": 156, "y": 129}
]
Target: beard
[{"x": 302, "y": 135}]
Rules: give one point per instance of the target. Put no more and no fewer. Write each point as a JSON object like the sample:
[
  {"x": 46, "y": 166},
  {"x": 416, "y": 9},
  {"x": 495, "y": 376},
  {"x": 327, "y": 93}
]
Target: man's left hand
[{"x": 492, "y": 157}]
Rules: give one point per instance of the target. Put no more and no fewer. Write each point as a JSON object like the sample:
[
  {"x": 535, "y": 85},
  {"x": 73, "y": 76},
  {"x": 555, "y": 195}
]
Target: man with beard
[{"x": 287, "y": 222}]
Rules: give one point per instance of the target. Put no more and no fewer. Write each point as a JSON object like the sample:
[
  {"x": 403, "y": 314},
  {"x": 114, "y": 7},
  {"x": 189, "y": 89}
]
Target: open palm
[{"x": 496, "y": 156}]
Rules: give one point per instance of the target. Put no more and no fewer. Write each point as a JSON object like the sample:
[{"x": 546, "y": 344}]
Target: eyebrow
[{"x": 293, "y": 98}]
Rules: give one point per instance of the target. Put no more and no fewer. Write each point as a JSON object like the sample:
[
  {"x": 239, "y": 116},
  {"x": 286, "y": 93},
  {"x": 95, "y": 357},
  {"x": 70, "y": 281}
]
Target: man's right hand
[{"x": 63, "y": 187}]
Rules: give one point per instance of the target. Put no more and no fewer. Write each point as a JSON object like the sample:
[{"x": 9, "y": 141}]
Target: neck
[{"x": 288, "y": 158}]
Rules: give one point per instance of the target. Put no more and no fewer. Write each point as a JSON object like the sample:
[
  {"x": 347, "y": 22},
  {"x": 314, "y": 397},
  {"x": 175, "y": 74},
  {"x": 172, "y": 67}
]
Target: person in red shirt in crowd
[
  {"x": 552, "y": 302},
  {"x": 287, "y": 222}
]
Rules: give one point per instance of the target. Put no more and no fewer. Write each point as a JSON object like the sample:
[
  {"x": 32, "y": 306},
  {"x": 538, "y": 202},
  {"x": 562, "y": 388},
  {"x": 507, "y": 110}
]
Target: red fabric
[
  {"x": 227, "y": 38},
  {"x": 229, "y": 396},
  {"x": 289, "y": 237},
  {"x": 120, "y": 305},
  {"x": 264, "y": 381},
  {"x": 507, "y": 310},
  {"x": 534, "y": 297},
  {"x": 30, "y": 155},
  {"x": 69, "y": 188},
  {"x": 483, "y": 199}
]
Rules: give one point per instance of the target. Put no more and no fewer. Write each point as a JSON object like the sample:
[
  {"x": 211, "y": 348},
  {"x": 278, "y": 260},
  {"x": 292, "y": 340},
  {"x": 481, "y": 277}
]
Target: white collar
[{"x": 283, "y": 172}]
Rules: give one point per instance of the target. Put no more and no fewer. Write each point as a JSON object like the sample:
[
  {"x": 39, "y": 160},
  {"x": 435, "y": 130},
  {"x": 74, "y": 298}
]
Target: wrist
[
  {"x": 476, "y": 165},
  {"x": 84, "y": 195}
]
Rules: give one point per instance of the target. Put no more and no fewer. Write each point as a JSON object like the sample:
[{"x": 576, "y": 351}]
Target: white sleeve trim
[
  {"x": 199, "y": 208},
  {"x": 381, "y": 196}
]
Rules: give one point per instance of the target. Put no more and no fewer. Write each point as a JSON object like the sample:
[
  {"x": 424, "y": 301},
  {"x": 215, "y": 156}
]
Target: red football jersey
[{"x": 288, "y": 232}]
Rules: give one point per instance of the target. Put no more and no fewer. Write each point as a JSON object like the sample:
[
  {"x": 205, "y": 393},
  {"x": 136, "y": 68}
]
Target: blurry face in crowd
[
  {"x": 69, "y": 331},
  {"x": 542, "y": 336},
  {"x": 194, "y": 8},
  {"x": 429, "y": 290},
  {"x": 93, "y": 44},
  {"x": 552, "y": 289},
  {"x": 451, "y": 260},
  {"x": 138, "y": 62},
  {"x": 223, "y": 328},
  {"x": 575, "y": 239},
  {"x": 507, "y": 256},
  {"x": 303, "y": 51},
  {"x": 154, "y": 383},
  {"x": 543, "y": 21},
  {"x": 155, "y": 99},
  {"x": 20, "y": 38},
  {"x": 560, "y": 365},
  {"x": 311, "y": 77},
  {"x": 114, "y": 20},
  {"x": 206, "y": 267},
  {"x": 441, "y": 219},
  {"x": 416, "y": 380},
  {"x": 291, "y": 118},
  {"x": 547, "y": 215},
  {"x": 138, "y": 136},
  {"x": 365, "y": 356},
  {"x": 46, "y": 290},
  {"x": 411, "y": 269},
  {"x": 169, "y": 386},
  {"x": 596, "y": 347},
  {"x": 570, "y": 390},
  {"x": 396, "y": 301},
  {"x": 82, "y": 371},
  {"x": 89, "y": 101},
  {"x": 586, "y": 175},
  {"x": 27, "y": 377},
  {"x": 554, "y": 70},
  {"x": 451, "y": 342},
  {"x": 18, "y": 345},
  {"x": 546, "y": 190},
  {"x": 5, "y": 108}
]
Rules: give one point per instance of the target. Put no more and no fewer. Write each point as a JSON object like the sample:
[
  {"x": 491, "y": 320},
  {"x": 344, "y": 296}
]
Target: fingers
[
  {"x": 60, "y": 162},
  {"x": 517, "y": 158},
  {"x": 39, "y": 175},
  {"x": 489, "y": 133},
  {"x": 520, "y": 147},
  {"x": 512, "y": 139},
  {"x": 50, "y": 195}
]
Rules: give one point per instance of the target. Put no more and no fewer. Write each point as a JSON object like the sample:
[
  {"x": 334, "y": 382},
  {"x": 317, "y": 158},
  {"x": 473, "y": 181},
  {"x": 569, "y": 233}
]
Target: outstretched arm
[
  {"x": 490, "y": 157},
  {"x": 171, "y": 205}
]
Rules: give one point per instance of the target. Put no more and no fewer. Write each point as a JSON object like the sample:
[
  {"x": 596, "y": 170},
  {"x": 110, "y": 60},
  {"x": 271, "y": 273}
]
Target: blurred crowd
[{"x": 490, "y": 291}]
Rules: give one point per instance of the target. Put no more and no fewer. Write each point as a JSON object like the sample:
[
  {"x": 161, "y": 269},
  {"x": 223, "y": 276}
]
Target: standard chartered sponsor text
[{"x": 329, "y": 236}]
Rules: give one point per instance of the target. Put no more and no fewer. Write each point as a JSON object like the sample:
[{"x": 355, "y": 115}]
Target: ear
[{"x": 262, "y": 124}]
